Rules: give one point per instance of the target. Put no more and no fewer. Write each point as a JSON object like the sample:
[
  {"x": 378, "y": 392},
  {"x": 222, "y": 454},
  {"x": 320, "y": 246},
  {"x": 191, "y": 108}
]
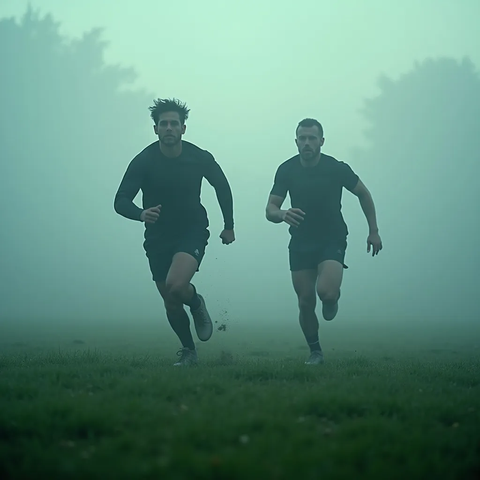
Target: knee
[
  {"x": 172, "y": 302},
  {"x": 306, "y": 302},
  {"x": 328, "y": 295},
  {"x": 172, "y": 305},
  {"x": 176, "y": 291}
]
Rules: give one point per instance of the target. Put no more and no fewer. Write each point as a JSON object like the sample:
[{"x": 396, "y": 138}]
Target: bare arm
[
  {"x": 374, "y": 242},
  {"x": 274, "y": 213},
  {"x": 273, "y": 210},
  {"x": 367, "y": 204}
]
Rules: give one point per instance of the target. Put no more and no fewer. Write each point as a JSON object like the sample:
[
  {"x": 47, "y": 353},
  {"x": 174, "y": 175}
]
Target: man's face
[
  {"x": 169, "y": 128},
  {"x": 309, "y": 142}
]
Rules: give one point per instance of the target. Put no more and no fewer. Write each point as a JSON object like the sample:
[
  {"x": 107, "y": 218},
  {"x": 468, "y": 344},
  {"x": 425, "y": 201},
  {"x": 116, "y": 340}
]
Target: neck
[
  {"x": 173, "y": 151},
  {"x": 310, "y": 163}
]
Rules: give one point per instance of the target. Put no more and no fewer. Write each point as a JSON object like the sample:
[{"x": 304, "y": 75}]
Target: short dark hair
[
  {"x": 168, "y": 105},
  {"x": 310, "y": 122}
]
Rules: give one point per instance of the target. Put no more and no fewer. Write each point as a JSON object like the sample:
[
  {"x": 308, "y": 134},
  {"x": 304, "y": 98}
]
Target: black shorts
[
  {"x": 160, "y": 254},
  {"x": 310, "y": 259}
]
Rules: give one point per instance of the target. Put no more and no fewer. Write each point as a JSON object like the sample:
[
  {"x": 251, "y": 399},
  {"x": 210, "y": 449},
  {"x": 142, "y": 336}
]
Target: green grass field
[{"x": 387, "y": 404}]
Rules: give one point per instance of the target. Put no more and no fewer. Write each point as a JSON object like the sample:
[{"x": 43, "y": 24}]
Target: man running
[
  {"x": 318, "y": 231},
  {"x": 169, "y": 172}
]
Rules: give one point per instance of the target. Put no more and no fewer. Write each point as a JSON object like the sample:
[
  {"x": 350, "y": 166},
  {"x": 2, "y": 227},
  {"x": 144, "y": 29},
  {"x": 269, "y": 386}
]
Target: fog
[{"x": 396, "y": 87}]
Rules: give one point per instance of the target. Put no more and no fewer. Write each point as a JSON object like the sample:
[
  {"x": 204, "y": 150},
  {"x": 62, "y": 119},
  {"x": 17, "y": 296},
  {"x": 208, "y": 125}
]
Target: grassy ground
[{"x": 382, "y": 406}]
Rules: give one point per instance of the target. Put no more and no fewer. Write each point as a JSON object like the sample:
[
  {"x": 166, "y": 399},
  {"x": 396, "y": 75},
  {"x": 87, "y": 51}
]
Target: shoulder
[
  {"x": 197, "y": 152},
  {"x": 144, "y": 157},
  {"x": 147, "y": 153},
  {"x": 149, "y": 150},
  {"x": 288, "y": 165},
  {"x": 342, "y": 172},
  {"x": 330, "y": 160},
  {"x": 334, "y": 163}
]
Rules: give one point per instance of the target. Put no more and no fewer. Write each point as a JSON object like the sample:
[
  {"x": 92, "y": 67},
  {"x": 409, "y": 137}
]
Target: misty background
[{"x": 395, "y": 85}]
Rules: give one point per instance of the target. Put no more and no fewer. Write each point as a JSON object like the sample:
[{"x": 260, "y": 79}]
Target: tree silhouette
[
  {"x": 68, "y": 128},
  {"x": 424, "y": 136}
]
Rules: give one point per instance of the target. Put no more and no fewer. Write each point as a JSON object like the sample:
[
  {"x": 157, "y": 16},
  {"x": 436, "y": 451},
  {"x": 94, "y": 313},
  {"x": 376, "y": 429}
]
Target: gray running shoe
[
  {"x": 202, "y": 321},
  {"x": 316, "y": 358},
  {"x": 187, "y": 358},
  {"x": 329, "y": 311}
]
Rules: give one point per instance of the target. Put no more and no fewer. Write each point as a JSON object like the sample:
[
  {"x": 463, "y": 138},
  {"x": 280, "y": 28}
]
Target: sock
[
  {"x": 314, "y": 343},
  {"x": 194, "y": 302},
  {"x": 180, "y": 324},
  {"x": 189, "y": 344},
  {"x": 187, "y": 340}
]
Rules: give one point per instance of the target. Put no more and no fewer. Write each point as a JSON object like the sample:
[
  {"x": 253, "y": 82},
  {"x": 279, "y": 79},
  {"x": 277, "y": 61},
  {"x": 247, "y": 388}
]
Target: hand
[
  {"x": 293, "y": 216},
  {"x": 374, "y": 243},
  {"x": 227, "y": 236},
  {"x": 150, "y": 215}
]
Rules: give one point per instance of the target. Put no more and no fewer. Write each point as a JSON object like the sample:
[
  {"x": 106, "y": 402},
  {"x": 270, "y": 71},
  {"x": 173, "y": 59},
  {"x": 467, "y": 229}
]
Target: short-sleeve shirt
[{"x": 317, "y": 191}]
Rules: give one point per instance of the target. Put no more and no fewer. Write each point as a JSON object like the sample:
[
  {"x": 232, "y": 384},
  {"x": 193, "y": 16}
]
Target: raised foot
[
  {"x": 329, "y": 310},
  {"x": 203, "y": 322}
]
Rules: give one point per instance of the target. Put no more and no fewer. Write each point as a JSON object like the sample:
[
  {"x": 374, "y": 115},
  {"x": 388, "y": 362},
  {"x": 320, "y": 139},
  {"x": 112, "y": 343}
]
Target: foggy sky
[{"x": 249, "y": 72}]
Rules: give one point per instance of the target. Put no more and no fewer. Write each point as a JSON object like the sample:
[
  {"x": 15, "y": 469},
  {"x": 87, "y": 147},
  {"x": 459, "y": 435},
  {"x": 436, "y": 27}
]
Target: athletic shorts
[
  {"x": 310, "y": 259},
  {"x": 160, "y": 255}
]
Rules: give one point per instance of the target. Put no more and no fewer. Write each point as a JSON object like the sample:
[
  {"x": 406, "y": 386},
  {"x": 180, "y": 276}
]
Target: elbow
[
  {"x": 116, "y": 205},
  {"x": 269, "y": 216}
]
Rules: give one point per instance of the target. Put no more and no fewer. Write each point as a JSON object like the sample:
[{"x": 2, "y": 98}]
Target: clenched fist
[
  {"x": 150, "y": 215},
  {"x": 293, "y": 216}
]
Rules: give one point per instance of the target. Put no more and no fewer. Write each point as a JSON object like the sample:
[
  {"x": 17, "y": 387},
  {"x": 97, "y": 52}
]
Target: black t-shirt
[
  {"x": 175, "y": 184},
  {"x": 318, "y": 192}
]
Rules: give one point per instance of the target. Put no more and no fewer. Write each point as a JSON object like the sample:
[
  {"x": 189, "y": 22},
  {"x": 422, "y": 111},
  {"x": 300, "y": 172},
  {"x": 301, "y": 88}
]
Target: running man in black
[
  {"x": 318, "y": 242},
  {"x": 169, "y": 173}
]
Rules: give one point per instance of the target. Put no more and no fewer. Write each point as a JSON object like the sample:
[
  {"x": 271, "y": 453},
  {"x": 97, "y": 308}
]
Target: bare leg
[
  {"x": 181, "y": 292},
  {"x": 304, "y": 286},
  {"x": 330, "y": 276},
  {"x": 177, "y": 317},
  {"x": 179, "y": 276},
  {"x": 176, "y": 291}
]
